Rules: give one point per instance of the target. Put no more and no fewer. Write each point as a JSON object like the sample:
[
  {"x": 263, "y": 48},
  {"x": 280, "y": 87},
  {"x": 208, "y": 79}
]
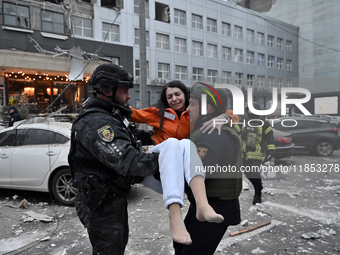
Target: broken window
[
  {"x": 162, "y": 12},
  {"x": 16, "y": 15},
  {"x": 52, "y": 22},
  {"x": 119, "y": 4}
]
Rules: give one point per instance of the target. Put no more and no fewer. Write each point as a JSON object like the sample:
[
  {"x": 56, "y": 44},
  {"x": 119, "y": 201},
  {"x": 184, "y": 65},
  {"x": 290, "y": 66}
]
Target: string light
[{"x": 41, "y": 77}]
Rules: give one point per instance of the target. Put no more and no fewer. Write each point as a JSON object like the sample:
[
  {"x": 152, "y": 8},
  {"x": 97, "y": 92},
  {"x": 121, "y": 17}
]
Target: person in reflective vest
[{"x": 257, "y": 138}]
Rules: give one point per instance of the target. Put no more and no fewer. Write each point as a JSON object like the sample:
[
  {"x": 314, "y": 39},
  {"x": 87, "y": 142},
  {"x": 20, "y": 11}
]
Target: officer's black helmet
[
  {"x": 216, "y": 97},
  {"x": 107, "y": 76}
]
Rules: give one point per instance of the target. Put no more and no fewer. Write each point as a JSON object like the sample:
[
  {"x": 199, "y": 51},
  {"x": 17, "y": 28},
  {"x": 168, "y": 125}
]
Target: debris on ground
[
  {"x": 310, "y": 235},
  {"x": 257, "y": 251},
  {"x": 24, "y": 204},
  {"x": 40, "y": 217},
  {"x": 248, "y": 229}
]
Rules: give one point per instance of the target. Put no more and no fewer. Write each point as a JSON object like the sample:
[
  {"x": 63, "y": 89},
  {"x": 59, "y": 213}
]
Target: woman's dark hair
[{"x": 162, "y": 103}]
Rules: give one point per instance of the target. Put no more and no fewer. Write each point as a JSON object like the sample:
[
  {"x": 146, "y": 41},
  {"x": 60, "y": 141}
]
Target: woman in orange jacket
[
  {"x": 170, "y": 120},
  {"x": 168, "y": 117}
]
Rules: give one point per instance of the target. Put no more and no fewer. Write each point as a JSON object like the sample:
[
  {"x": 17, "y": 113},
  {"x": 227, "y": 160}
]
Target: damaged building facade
[
  {"x": 40, "y": 44},
  {"x": 195, "y": 40}
]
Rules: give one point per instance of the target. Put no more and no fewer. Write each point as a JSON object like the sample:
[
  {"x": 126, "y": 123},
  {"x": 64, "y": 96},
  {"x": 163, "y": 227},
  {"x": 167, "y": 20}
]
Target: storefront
[
  {"x": 39, "y": 91},
  {"x": 36, "y": 79}
]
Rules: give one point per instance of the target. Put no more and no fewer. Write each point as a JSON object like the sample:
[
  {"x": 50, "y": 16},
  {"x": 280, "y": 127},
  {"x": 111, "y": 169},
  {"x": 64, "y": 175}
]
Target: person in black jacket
[
  {"x": 15, "y": 115},
  {"x": 104, "y": 159},
  {"x": 223, "y": 188}
]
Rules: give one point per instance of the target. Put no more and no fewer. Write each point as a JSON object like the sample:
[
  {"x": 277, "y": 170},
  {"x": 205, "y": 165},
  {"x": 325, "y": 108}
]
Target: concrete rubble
[{"x": 303, "y": 212}]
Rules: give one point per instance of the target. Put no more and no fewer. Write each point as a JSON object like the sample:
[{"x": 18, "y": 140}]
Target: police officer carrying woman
[
  {"x": 222, "y": 187},
  {"x": 103, "y": 160}
]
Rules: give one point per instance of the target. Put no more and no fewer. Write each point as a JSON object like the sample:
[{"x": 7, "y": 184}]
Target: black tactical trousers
[
  {"x": 206, "y": 236},
  {"x": 253, "y": 176},
  {"x": 107, "y": 226}
]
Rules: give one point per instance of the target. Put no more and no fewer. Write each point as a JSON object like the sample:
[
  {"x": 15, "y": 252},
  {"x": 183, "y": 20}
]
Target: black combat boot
[{"x": 257, "y": 196}]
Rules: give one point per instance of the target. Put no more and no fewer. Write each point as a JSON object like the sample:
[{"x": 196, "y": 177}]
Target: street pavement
[{"x": 303, "y": 208}]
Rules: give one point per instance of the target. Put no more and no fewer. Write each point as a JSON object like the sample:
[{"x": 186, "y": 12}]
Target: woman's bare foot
[
  {"x": 204, "y": 211},
  {"x": 179, "y": 232},
  {"x": 177, "y": 227},
  {"x": 207, "y": 213}
]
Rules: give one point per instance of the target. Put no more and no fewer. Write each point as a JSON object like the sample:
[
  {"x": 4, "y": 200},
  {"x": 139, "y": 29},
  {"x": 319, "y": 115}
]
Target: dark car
[
  {"x": 284, "y": 146},
  {"x": 310, "y": 134}
]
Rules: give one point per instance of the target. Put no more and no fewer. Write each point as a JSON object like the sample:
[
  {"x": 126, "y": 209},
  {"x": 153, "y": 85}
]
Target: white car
[
  {"x": 332, "y": 119},
  {"x": 34, "y": 157}
]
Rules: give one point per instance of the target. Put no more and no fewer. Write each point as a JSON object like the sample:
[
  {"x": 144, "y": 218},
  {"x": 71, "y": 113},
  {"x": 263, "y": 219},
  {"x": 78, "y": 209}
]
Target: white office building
[{"x": 193, "y": 40}]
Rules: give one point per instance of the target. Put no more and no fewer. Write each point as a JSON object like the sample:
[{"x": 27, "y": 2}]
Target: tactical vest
[
  {"x": 225, "y": 188},
  {"x": 81, "y": 169}
]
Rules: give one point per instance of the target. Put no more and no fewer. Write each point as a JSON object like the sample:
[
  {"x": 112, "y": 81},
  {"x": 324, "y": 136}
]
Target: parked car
[
  {"x": 310, "y": 134},
  {"x": 34, "y": 157},
  {"x": 335, "y": 120},
  {"x": 284, "y": 146},
  {"x": 332, "y": 119}
]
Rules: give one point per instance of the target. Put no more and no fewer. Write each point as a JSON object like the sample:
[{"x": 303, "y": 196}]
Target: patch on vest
[
  {"x": 252, "y": 137},
  {"x": 106, "y": 133},
  {"x": 202, "y": 152}
]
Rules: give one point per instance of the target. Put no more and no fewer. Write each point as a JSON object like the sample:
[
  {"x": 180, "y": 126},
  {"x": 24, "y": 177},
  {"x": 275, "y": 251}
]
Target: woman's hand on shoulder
[{"x": 214, "y": 123}]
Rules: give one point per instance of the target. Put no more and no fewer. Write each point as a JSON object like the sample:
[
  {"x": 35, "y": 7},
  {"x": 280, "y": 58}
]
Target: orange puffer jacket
[{"x": 172, "y": 125}]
